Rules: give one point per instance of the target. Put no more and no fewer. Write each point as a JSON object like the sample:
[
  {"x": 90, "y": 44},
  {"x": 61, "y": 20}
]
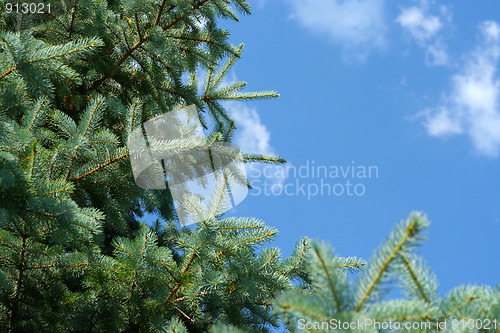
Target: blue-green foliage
[
  {"x": 74, "y": 254},
  {"x": 329, "y": 295}
]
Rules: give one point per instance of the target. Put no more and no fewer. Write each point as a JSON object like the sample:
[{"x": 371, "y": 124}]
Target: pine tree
[{"x": 75, "y": 254}]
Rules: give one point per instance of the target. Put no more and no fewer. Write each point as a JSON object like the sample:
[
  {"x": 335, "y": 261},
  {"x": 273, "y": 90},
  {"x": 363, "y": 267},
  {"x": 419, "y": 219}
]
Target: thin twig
[
  {"x": 7, "y": 73},
  {"x": 101, "y": 166}
]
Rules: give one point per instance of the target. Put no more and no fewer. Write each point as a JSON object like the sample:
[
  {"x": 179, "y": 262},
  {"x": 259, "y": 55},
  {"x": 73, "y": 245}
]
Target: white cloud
[
  {"x": 436, "y": 54},
  {"x": 424, "y": 28},
  {"x": 358, "y": 25},
  {"x": 472, "y": 105},
  {"x": 491, "y": 30},
  {"x": 252, "y": 136},
  {"x": 441, "y": 123}
]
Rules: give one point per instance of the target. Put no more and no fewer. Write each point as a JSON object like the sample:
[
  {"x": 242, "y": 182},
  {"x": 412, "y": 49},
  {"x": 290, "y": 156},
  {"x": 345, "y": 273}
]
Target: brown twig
[
  {"x": 7, "y": 73},
  {"x": 101, "y": 166}
]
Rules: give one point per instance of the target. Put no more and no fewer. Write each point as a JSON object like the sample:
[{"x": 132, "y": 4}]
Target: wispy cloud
[
  {"x": 425, "y": 29},
  {"x": 472, "y": 104},
  {"x": 357, "y": 25},
  {"x": 252, "y": 135}
]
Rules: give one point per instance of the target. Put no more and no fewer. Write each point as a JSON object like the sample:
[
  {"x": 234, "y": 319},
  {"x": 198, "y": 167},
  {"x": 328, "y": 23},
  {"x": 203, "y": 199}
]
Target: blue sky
[{"x": 410, "y": 87}]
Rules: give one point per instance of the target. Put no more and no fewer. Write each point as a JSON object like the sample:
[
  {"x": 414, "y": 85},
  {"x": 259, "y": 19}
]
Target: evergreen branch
[
  {"x": 99, "y": 167},
  {"x": 351, "y": 266},
  {"x": 253, "y": 158},
  {"x": 303, "y": 310},
  {"x": 81, "y": 225},
  {"x": 222, "y": 188},
  {"x": 51, "y": 30},
  {"x": 241, "y": 227},
  {"x": 40, "y": 104},
  {"x": 380, "y": 272},
  {"x": 180, "y": 17},
  {"x": 185, "y": 315},
  {"x": 271, "y": 257},
  {"x": 459, "y": 306},
  {"x": 328, "y": 277},
  {"x": 62, "y": 120},
  {"x": 189, "y": 38},
  {"x": 223, "y": 72},
  {"x": 58, "y": 51},
  {"x": 183, "y": 298},
  {"x": 44, "y": 229},
  {"x": 235, "y": 96},
  {"x": 56, "y": 19},
  {"x": 227, "y": 89},
  {"x": 133, "y": 286},
  {"x": 406, "y": 233},
  {"x": 303, "y": 250},
  {"x": 406, "y": 318},
  {"x": 17, "y": 291},
  {"x": 137, "y": 45},
  {"x": 207, "y": 82},
  {"x": 92, "y": 114},
  {"x": 32, "y": 158},
  {"x": 10, "y": 243},
  {"x": 8, "y": 259},
  {"x": 7, "y": 73},
  {"x": 415, "y": 279},
  {"x": 178, "y": 284},
  {"x": 224, "y": 249},
  {"x": 160, "y": 12},
  {"x": 137, "y": 24},
  {"x": 38, "y": 212},
  {"x": 72, "y": 22},
  {"x": 258, "y": 238}
]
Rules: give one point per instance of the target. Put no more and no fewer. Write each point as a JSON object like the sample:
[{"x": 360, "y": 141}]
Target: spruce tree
[{"x": 75, "y": 253}]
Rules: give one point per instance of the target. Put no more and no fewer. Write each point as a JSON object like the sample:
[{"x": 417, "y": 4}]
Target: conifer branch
[
  {"x": 39, "y": 107},
  {"x": 7, "y": 73},
  {"x": 459, "y": 306},
  {"x": 383, "y": 267},
  {"x": 205, "y": 40},
  {"x": 404, "y": 318},
  {"x": 72, "y": 22},
  {"x": 178, "y": 284},
  {"x": 99, "y": 167},
  {"x": 258, "y": 238},
  {"x": 37, "y": 212},
  {"x": 271, "y": 257},
  {"x": 304, "y": 311},
  {"x": 328, "y": 277},
  {"x": 160, "y": 12},
  {"x": 17, "y": 290},
  {"x": 185, "y": 315},
  {"x": 137, "y": 25},
  {"x": 415, "y": 279},
  {"x": 137, "y": 45},
  {"x": 252, "y": 158}
]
